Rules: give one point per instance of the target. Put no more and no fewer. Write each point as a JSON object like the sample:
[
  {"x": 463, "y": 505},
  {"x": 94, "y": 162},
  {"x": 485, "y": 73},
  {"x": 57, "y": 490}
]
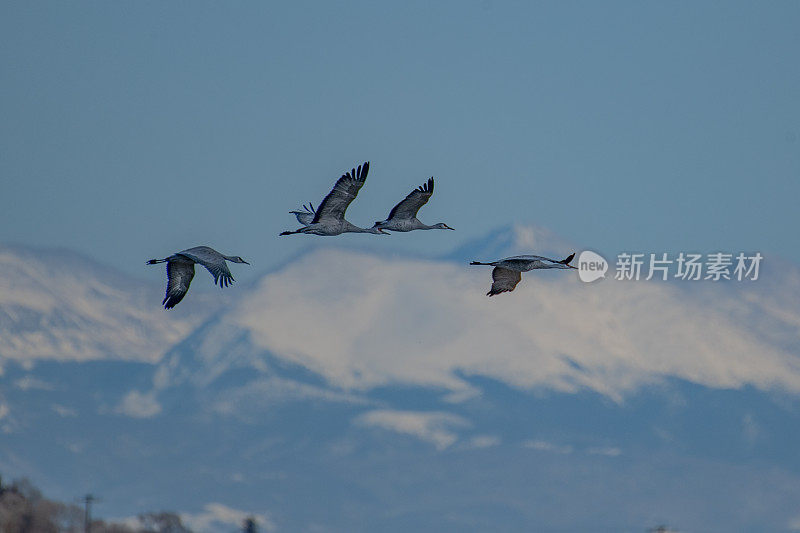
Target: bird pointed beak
[{"x": 448, "y": 227}]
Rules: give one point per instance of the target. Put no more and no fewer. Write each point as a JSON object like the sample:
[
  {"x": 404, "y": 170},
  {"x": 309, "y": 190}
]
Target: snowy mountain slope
[
  {"x": 55, "y": 304},
  {"x": 362, "y": 321},
  {"x": 400, "y": 458}
]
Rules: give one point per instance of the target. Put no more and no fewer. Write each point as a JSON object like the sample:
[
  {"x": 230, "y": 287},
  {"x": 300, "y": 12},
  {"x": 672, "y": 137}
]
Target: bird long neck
[
  {"x": 367, "y": 230},
  {"x": 352, "y": 228},
  {"x": 438, "y": 225}
]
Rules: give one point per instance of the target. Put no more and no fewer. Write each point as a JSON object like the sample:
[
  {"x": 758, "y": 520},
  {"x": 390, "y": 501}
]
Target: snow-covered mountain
[
  {"x": 355, "y": 391},
  {"x": 362, "y": 321},
  {"x": 56, "y": 304}
]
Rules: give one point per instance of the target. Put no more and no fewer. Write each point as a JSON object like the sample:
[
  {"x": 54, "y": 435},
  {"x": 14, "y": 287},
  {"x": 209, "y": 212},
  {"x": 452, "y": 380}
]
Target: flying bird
[
  {"x": 329, "y": 216},
  {"x": 508, "y": 272},
  {"x": 403, "y": 216},
  {"x": 180, "y": 270}
]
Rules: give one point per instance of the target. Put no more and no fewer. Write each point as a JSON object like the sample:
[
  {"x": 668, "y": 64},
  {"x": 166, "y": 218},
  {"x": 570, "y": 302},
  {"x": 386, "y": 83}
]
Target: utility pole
[{"x": 87, "y": 520}]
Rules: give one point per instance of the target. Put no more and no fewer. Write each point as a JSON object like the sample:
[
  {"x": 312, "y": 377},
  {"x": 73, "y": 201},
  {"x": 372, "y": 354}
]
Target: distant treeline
[{"x": 23, "y": 509}]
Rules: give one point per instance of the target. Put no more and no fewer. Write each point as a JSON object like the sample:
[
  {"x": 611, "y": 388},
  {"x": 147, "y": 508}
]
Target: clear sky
[{"x": 134, "y": 129}]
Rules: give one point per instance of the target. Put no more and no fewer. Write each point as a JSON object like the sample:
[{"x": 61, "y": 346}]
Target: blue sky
[{"x": 131, "y": 130}]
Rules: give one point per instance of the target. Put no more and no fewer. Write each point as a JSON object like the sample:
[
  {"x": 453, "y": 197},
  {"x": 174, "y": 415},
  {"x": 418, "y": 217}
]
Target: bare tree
[
  {"x": 250, "y": 525},
  {"x": 23, "y": 509},
  {"x": 99, "y": 526},
  {"x": 162, "y": 522}
]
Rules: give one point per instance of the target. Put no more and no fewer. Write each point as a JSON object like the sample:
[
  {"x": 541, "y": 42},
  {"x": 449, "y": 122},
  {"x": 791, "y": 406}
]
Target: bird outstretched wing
[
  {"x": 306, "y": 216},
  {"x": 504, "y": 280},
  {"x": 343, "y": 193},
  {"x": 221, "y": 272},
  {"x": 213, "y": 261},
  {"x": 179, "y": 275},
  {"x": 409, "y": 207}
]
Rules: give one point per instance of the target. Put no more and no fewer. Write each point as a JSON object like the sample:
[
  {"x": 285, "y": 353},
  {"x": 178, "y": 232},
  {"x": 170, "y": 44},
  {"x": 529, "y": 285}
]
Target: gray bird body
[
  {"x": 403, "y": 216},
  {"x": 328, "y": 219},
  {"x": 507, "y": 273},
  {"x": 180, "y": 270},
  {"x": 331, "y": 229}
]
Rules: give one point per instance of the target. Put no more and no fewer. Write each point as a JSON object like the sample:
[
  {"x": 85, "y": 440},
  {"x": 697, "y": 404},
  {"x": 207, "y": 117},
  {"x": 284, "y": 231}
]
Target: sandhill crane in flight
[
  {"x": 403, "y": 216},
  {"x": 508, "y": 272},
  {"x": 180, "y": 270},
  {"x": 329, "y": 216}
]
